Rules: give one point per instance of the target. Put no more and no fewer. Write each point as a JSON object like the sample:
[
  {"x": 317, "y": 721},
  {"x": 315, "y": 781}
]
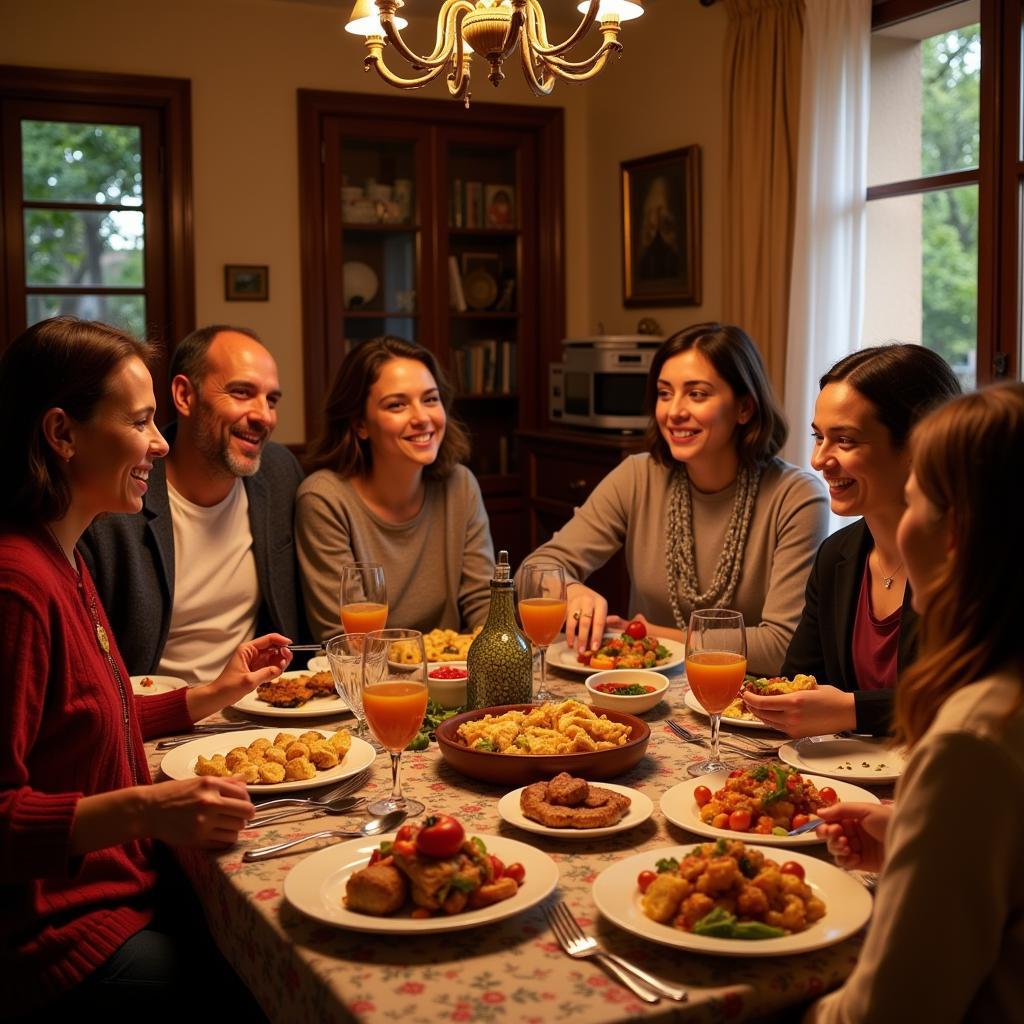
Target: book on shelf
[
  {"x": 456, "y": 214},
  {"x": 456, "y": 296},
  {"x": 474, "y": 214},
  {"x": 486, "y": 367}
]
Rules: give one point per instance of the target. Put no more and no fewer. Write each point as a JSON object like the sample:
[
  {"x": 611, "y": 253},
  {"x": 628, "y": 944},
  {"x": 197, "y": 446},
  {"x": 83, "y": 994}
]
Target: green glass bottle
[{"x": 500, "y": 659}]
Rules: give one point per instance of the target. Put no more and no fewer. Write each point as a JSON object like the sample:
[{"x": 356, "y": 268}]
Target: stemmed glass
[
  {"x": 364, "y": 597},
  {"x": 542, "y": 609},
  {"x": 716, "y": 662},
  {"x": 394, "y": 701},
  {"x": 345, "y": 656}
]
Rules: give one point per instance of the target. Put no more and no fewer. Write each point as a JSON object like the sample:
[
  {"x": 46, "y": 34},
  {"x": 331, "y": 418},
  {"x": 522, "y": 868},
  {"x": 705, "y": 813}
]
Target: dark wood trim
[
  {"x": 892, "y": 12},
  {"x": 86, "y": 94},
  {"x": 990, "y": 199},
  {"x": 931, "y": 183}
]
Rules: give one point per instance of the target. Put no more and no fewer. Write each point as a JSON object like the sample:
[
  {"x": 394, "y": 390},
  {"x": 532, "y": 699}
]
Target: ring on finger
[{"x": 576, "y": 616}]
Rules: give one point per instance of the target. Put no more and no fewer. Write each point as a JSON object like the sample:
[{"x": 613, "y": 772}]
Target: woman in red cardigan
[{"x": 79, "y": 815}]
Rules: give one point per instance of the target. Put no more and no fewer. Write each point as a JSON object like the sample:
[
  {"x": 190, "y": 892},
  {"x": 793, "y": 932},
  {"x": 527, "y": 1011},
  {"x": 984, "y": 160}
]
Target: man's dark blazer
[
  {"x": 131, "y": 558},
  {"x": 822, "y": 645}
]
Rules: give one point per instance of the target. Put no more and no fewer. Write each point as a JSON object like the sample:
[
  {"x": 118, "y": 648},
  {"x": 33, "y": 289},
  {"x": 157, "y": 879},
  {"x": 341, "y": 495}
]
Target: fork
[
  {"x": 691, "y": 737},
  {"x": 350, "y": 785},
  {"x": 343, "y": 805},
  {"x": 579, "y": 946}
]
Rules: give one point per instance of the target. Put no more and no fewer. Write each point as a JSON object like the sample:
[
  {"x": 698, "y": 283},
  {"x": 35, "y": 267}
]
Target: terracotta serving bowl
[{"x": 522, "y": 769}]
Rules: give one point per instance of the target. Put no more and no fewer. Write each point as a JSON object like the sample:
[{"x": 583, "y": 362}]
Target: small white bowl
[
  {"x": 633, "y": 705},
  {"x": 449, "y": 693}
]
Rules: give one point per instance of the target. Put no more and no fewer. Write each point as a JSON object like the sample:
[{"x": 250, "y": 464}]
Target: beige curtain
[{"x": 762, "y": 110}]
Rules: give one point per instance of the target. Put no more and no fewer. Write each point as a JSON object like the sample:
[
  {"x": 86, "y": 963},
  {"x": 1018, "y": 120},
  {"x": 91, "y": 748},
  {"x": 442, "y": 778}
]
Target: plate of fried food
[
  {"x": 567, "y": 807},
  {"x": 146, "y": 686},
  {"x": 439, "y": 645},
  {"x": 516, "y": 744},
  {"x": 730, "y": 899},
  {"x": 619, "y": 650},
  {"x": 390, "y": 885},
  {"x": 763, "y": 802},
  {"x": 738, "y": 714},
  {"x": 271, "y": 761},
  {"x": 295, "y": 695}
]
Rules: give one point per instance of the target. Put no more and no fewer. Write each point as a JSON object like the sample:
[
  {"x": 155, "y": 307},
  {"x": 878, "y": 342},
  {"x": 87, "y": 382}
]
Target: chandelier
[{"x": 493, "y": 29}]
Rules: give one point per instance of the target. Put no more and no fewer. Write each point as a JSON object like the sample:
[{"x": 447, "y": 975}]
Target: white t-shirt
[{"x": 216, "y": 595}]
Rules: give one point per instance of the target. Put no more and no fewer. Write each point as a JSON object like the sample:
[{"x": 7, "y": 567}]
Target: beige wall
[{"x": 246, "y": 58}]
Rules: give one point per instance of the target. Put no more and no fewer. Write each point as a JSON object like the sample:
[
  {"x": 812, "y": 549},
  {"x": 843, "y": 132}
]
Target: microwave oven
[{"x": 600, "y": 382}]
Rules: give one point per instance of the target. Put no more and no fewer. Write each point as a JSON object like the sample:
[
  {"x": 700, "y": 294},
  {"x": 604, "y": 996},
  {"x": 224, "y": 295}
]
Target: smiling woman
[
  {"x": 388, "y": 488},
  {"x": 710, "y": 516}
]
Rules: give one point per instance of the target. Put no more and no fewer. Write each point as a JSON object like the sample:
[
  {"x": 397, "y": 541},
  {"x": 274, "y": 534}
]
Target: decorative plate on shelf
[
  {"x": 358, "y": 284},
  {"x": 480, "y": 288}
]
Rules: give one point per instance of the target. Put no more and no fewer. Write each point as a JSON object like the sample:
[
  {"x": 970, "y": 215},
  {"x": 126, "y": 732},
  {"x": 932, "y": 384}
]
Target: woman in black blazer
[{"x": 857, "y": 631}]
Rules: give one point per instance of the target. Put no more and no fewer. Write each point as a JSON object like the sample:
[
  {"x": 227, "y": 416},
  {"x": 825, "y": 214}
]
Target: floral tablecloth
[{"x": 302, "y": 970}]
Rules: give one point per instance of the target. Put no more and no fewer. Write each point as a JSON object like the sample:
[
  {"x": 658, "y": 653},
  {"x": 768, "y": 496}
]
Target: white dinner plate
[
  {"x": 318, "y": 664},
  {"x": 180, "y": 762},
  {"x": 161, "y": 684},
  {"x": 690, "y": 700},
  {"x": 564, "y": 658},
  {"x": 316, "y": 886},
  {"x": 318, "y": 707},
  {"x": 847, "y": 907},
  {"x": 850, "y": 758},
  {"x": 640, "y": 809},
  {"x": 680, "y": 807}
]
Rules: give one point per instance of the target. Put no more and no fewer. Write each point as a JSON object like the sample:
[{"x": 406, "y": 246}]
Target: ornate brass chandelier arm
[
  {"x": 540, "y": 85},
  {"x": 537, "y": 29},
  {"x": 449, "y": 27},
  {"x": 571, "y": 68},
  {"x": 375, "y": 59}
]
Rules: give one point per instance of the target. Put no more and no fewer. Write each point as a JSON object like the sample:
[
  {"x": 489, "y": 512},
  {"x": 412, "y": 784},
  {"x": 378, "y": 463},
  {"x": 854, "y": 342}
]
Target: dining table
[{"x": 301, "y": 969}]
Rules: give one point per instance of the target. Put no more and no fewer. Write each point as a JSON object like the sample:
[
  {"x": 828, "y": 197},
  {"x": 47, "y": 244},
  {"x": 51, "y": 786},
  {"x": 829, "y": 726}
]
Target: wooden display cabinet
[{"x": 443, "y": 226}]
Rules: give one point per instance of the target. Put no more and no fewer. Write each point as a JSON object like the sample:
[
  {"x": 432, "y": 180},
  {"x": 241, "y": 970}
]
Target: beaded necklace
[{"x": 681, "y": 546}]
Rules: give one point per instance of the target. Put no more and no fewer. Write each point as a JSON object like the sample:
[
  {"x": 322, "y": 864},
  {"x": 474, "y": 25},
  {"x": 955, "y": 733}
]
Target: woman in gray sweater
[
  {"x": 388, "y": 487},
  {"x": 709, "y": 516}
]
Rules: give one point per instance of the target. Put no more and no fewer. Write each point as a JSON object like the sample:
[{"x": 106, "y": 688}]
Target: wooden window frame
[
  {"x": 999, "y": 177},
  {"x": 162, "y": 102}
]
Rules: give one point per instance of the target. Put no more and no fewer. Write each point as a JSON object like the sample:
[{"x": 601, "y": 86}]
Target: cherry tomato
[
  {"x": 735, "y": 773},
  {"x": 516, "y": 872},
  {"x": 799, "y": 819},
  {"x": 739, "y": 821},
  {"x": 374, "y": 857},
  {"x": 702, "y": 795},
  {"x": 407, "y": 833},
  {"x": 497, "y": 866},
  {"x": 441, "y": 836},
  {"x": 792, "y": 868},
  {"x": 583, "y": 657},
  {"x": 644, "y": 879},
  {"x": 636, "y": 630},
  {"x": 828, "y": 796},
  {"x": 403, "y": 848}
]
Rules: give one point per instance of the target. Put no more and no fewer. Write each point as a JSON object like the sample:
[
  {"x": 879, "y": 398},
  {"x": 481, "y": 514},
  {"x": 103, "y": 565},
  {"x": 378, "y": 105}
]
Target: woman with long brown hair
[
  {"x": 709, "y": 514},
  {"x": 388, "y": 486},
  {"x": 946, "y": 942}
]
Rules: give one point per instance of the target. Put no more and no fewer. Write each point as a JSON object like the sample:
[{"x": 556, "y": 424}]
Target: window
[
  {"x": 943, "y": 202},
  {"x": 96, "y": 202}
]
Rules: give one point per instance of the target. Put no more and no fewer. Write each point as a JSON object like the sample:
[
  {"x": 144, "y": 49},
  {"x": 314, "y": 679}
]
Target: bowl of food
[
  {"x": 516, "y": 744},
  {"x": 446, "y": 683},
  {"x": 634, "y": 690}
]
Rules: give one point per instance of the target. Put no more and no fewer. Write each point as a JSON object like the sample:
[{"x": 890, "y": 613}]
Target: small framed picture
[
  {"x": 246, "y": 283},
  {"x": 661, "y": 229},
  {"x": 499, "y": 206}
]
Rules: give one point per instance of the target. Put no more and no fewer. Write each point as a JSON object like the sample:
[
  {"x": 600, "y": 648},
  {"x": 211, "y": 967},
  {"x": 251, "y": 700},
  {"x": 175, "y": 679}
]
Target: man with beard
[{"x": 210, "y": 562}]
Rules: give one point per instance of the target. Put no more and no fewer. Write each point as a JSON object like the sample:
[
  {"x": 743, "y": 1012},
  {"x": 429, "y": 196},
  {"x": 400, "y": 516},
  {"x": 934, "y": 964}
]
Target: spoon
[{"x": 371, "y": 828}]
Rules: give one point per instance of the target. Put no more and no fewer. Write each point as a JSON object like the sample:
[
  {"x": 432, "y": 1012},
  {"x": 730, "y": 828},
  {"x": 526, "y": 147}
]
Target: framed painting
[
  {"x": 246, "y": 283},
  {"x": 661, "y": 229}
]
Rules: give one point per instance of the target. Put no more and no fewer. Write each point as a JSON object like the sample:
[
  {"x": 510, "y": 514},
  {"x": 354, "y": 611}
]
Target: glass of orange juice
[
  {"x": 542, "y": 609},
  {"x": 716, "y": 662},
  {"x": 364, "y": 597},
  {"x": 394, "y": 702}
]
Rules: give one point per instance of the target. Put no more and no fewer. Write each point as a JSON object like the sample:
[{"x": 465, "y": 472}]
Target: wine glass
[
  {"x": 716, "y": 662},
  {"x": 542, "y": 609},
  {"x": 364, "y": 597},
  {"x": 345, "y": 656},
  {"x": 394, "y": 701}
]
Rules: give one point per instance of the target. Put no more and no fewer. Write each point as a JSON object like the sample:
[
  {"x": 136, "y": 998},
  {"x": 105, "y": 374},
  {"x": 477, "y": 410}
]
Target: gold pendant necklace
[
  {"x": 887, "y": 580},
  {"x": 101, "y": 634}
]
